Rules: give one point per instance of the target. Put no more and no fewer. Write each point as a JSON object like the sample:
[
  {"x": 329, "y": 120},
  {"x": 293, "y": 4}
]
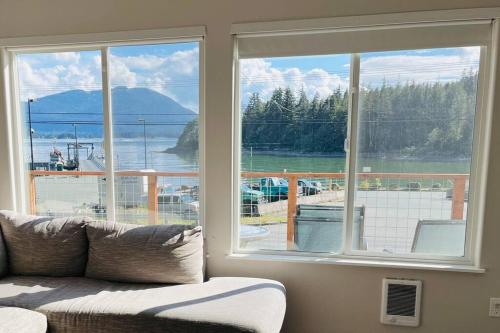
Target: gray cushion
[
  {"x": 149, "y": 254},
  {"x": 81, "y": 305},
  {"x": 17, "y": 320},
  {"x": 3, "y": 257},
  {"x": 44, "y": 246}
]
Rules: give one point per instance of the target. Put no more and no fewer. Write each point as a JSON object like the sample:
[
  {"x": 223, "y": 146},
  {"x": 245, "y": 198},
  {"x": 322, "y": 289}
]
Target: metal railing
[
  {"x": 152, "y": 185},
  {"x": 458, "y": 186},
  {"x": 458, "y": 189}
]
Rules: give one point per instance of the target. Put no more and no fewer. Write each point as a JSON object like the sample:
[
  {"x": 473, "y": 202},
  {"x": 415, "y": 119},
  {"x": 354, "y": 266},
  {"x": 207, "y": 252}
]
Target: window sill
[{"x": 366, "y": 262}]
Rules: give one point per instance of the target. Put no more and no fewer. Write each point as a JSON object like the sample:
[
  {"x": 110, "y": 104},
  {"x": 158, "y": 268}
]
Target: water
[
  {"x": 391, "y": 216},
  {"x": 278, "y": 163},
  {"x": 129, "y": 153}
]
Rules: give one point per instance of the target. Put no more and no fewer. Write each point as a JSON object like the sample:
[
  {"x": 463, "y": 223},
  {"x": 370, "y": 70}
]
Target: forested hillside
[
  {"x": 188, "y": 141},
  {"x": 407, "y": 119},
  {"x": 410, "y": 119}
]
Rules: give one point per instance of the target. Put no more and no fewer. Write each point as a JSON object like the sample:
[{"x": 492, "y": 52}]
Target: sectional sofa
[{"x": 78, "y": 275}]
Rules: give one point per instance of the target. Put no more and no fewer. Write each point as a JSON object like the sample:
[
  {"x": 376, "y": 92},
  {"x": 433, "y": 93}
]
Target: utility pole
[
  {"x": 31, "y": 100},
  {"x": 76, "y": 153},
  {"x": 143, "y": 121}
]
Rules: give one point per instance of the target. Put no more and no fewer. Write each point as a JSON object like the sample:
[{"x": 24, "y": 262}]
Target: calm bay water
[
  {"x": 269, "y": 162},
  {"x": 129, "y": 155}
]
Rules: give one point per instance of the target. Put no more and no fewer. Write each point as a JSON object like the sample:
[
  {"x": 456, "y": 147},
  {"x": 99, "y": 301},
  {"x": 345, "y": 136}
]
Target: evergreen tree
[{"x": 410, "y": 119}]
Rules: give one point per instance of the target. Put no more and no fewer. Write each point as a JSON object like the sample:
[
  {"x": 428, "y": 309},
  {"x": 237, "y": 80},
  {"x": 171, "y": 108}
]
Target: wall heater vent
[{"x": 401, "y": 302}]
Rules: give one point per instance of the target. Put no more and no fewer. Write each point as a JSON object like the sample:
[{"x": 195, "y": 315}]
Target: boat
[{"x": 56, "y": 160}]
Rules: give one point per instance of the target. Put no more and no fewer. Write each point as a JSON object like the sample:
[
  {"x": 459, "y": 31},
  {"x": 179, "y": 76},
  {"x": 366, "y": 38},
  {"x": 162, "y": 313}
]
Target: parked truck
[
  {"x": 274, "y": 188},
  {"x": 250, "y": 200}
]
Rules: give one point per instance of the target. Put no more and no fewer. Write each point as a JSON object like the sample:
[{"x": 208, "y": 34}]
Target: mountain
[{"x": 57, "y": 115}]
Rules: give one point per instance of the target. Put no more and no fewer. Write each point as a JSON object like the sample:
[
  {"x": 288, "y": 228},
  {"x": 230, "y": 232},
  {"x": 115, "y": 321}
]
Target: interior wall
[
  {"x": 321, "y": 298},
  {"x": 6, "y": 186}
]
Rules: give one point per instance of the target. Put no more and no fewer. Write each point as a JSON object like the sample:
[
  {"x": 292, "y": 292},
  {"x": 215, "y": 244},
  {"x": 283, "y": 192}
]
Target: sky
[
  {"x": 170, "y": 69},
  {"x": 173, "y": 70},
  {"x": 324, "y": 74}
]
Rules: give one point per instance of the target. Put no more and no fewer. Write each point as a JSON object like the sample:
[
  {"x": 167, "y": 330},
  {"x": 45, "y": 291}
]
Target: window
[
  {"x": 155, "y": 130},
  {"x": 289, "y": 124},
  {"x": 361, "y": 142},
  {"x": 60, "y": 94},
  {"x": 414, "y": 143},
  {"x": 112, "y": 131}
]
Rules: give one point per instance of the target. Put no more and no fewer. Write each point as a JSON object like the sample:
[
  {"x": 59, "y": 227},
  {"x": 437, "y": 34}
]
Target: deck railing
[
  {"x": 458, "y": 190},
  {"x": 459, "y": 182},
  {"x": 152, "y": 197}
]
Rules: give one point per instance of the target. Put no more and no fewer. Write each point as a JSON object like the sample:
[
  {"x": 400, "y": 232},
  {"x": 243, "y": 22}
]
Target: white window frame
[
  {"x": 482, "y": 129},
  {"x": 100, "y": 42}
]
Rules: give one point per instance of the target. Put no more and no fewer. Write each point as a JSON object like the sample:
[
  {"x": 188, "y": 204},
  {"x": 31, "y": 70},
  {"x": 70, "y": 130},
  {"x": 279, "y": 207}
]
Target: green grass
[{"x": 264, "y": 219}]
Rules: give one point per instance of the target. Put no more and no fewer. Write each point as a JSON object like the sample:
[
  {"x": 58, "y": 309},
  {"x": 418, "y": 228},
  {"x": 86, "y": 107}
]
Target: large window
[
  {"x": 60, "y": 96},
  {"x": 293, "y": 124},
  {"x": 415, "y": 130},
  {"x": 112, "y": 132},
  {"x": 361, "y": 149},
  {"x": 155, "y": 131}
]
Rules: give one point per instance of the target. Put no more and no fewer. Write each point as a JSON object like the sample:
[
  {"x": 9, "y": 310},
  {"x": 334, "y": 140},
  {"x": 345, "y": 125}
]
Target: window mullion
[
  {"x": 24, "y": 194},
  {"x": 477, "y": 179},
  {"x": 351, "y": 145},
  {"x": 108, "y": 135},
  {"x": 13, "y": 152},
  {"x": 237, "y": 128},
  {"x": 201, "y": 126}
]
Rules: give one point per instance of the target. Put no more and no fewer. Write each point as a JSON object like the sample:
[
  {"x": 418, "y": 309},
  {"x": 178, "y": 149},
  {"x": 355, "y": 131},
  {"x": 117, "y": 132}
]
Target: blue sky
[
  {"x": 341, "y": 62},
  {"x": 323, "y": 74},
  {"x": 172, "y": 69}
]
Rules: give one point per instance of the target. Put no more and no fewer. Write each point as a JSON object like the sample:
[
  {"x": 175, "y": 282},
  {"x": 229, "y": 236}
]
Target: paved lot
[{"x": 390, "y": 222}]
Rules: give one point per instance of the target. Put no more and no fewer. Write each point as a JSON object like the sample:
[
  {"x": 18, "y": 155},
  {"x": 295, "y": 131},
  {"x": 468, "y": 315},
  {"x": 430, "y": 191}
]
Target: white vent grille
[{"x": 401, "y": 302}]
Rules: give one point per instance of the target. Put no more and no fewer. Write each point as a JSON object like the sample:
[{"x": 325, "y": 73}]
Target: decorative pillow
[
  {"x": 44, "y": 245},
  {"x": 147, "y": 254},
  {"x": 3, "y": 257}
]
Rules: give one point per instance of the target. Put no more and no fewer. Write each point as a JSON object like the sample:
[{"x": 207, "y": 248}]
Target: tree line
[{"x": 410, "y": 119}]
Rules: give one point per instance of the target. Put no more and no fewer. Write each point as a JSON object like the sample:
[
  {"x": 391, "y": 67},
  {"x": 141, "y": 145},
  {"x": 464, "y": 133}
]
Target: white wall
[{"x": 321, "y": 298}]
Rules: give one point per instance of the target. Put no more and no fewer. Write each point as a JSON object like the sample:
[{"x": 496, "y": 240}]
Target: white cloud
[
  {"x": 471, "y": 53},
  {"x": 36, "y": 81},
  {"x": 258, "y": 75},
  {"x": 183, "y": 62},
  {"x": 67, "y": 56},
  {"x": 81, "y": 77},
  {"x": 418, "y": 67},
  {"x": 141, "y": 62},
  {"x": 174, "y": 75},
  {"x": 120, "y": 74},
  {"x": 155, "y": 70}
]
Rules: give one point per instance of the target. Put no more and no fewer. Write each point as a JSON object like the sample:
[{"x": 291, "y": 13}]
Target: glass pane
[
  {"x": 414, "y": 149},
  {"x": 155, "y": 92},
  {"x": 61, "y": 103},
  {"x": 293, "y": 127}
]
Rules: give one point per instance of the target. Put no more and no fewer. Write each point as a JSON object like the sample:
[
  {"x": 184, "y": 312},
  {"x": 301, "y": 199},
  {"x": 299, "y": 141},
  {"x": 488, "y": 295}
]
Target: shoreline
[
  {"x": 291, "y": 153},
  {"x": 286, "y": 153}
]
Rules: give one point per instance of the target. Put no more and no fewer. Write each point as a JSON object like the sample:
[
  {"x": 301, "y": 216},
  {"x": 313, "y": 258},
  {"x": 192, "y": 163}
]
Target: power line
[
  {"x": 115, "y": 113},
  {"x": 80, "y": 122}
]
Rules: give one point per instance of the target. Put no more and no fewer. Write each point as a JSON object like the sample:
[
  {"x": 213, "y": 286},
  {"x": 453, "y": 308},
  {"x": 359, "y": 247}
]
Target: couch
[{"x": 78, "y": 275}]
